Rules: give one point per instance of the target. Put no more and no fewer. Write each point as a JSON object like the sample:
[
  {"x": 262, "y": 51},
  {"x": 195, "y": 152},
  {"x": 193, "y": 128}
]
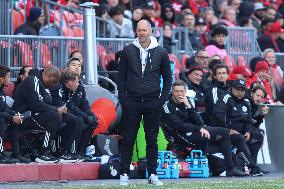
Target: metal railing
[
  {"x": 242, "y": 42},
  {"x": 280, "y": 60},
  {"x": 6, "y": 24},
  {"x": 44, "y": 51},
  {"x": 182, "y": 43}
]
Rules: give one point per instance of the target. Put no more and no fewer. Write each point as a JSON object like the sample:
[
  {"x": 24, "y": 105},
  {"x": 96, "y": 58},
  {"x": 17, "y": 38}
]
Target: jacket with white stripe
[
  {"x": 214, "y": 94},
  {"x": 180, "y": 118},
  {"x": 234, "y": 114},
  {"x": 32, "y": 95}
]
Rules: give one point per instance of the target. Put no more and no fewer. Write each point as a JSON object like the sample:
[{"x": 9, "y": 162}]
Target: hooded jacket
[
  {"x": 33, "y": 95},
  {"x": 140, "y": 72}
]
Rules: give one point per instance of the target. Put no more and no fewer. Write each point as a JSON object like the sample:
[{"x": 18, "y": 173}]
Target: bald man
[
  {"x": 141, "y": 66},
  {"x": 33, "y": 95}
]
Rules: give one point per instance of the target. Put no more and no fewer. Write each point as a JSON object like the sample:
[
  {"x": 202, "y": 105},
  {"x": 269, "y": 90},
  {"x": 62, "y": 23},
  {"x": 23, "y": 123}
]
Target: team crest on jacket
[{"x": 245, "y": 109}]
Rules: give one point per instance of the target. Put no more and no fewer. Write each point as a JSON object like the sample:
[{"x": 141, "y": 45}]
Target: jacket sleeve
[
  {"x": 56, "y": 93},
  {"x": 221, "y": 108},
  {"x": 122, "y": 76},
  {"x": 84, "y": 106},
  {"x": 249, "y": 122},
  {"x": 167, "y": 77},
  {"x": 170, "y": 117},
  {"x": 34, "y": 99}
]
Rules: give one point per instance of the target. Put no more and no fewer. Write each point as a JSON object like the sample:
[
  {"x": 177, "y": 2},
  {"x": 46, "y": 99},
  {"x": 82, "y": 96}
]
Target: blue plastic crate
[{"x": 198, "y": 164}]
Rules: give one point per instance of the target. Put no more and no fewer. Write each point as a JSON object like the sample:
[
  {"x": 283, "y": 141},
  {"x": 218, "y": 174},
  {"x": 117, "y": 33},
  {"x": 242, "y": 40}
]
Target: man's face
[
  {"x": 189, "y": 21},
  {"x": 257, "y": 97},
  {"x": 118, "y": 18},
  {"x": 260, "y": 13},
  {"x": 239, "y": 93},
  {"x": 178, "y": 93},
  {"x": 143, "y": 31},
  {"x": 270, "y": 14},
  {"x": 220, "y": 39},
  {"x": 264, "y": 75},
  {"x": 221, "y": 75},
  {"x": 73, "y": 84},
  {"x": 195, "y": 77},
  {"x": 5, "y": 80},
  {"x": 75, "y": 66},
  {"x": 202, "y": 59}
]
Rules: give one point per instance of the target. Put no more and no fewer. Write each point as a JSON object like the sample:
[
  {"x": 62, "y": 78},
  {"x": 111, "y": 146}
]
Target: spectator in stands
[
  {"x": 245, "y": 10},
  {"x": 73, "y": 96},
  {"x": 188, "y": 21},
  {"x": 33, "y": 24},
  {"x": 262, "y": 75},
  {"x": 23, "y": 74},
  {"x": 233, "y": 111},
  {"x": 168, "y": 44},
  {"x": 201, "y": 28},
  {"x": 167, "y": 15},
  {"x": 257, "y": 95},
  {"x": 111, "y": 3},
  {"x": 139, "y": 92},
  {"x": 270, "y": 13},
  {"x": 119, "y": 26},
  {"x": 268, "y": 39},
  {"x": 73, "y": 3},
  {"x": 149, "y": 14},
  {"x": 181, "y": 121},
  {"x": 127, "y": 6},
  {"x": 217, "y": 44},
  {"x": 208, "y": 15},
  {"x": 258, "y": 15},
  {"x": 235, "y": 4},
  {"x": 136, "y": 17},
  {"x": 32, "y": 95},
  {"x": 9, "y": 123},
  {"x": 280, "y": 40},
  {"x": 220, "y": 6},
  {"x": 245, "y": 22},
  {"x": 200, "y": 59},
  {"x": 229, "y": 17},
  {"x": 276, "y": 71},
  {"x": 239, "y": 72}
]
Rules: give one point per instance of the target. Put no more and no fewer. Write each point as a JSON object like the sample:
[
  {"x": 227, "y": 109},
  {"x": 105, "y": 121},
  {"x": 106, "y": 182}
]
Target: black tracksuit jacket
[{"x": 134, "y": 84}]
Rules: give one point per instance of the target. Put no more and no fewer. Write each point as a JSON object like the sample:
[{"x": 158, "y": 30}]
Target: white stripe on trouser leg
[
  {"x": 53, "y": 146},
  {"x": 1, "y": 145},
  {"x": 46, "y": 139},
  {"x": 73, "y": 147},
  {"x": 58, "y": 141}
]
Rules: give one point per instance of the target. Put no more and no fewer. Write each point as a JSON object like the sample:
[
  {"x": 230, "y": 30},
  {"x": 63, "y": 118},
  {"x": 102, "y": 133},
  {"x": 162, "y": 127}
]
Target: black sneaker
[
  {"x": 68, "y": 158},
  {"x": 235, "y": 173},
  {"x": 46, "y": 158},
  {"x": 21, "y": 159},
  {"x": 264, "y": 171},
  {"x": 4, "y": 159},
  {"x": 256, "y": 171}
]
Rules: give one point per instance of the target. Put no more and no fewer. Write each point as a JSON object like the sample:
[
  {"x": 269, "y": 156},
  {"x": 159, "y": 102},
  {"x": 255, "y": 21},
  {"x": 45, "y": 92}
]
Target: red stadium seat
[
  {"x": 110, "y": 57},
  {"x": 229, "y": 61},
  {"x": 24, "y": 55},
  {"x": 68, "y": 32},
  {"x": 106, "y": 113},
  {"x": 45, "y": 56},
  {"x": 103, "y": 59},
  {"x": 18, "y": 19},
  {"x": 69, "y": 17},
  {"x": 79, "y": 32},
  {"x": 100, "y": 49},
  {"x": 242, "y": 61},
  {"x": 184, "y": 58}
]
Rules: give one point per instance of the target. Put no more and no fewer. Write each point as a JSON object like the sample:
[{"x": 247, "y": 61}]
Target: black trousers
[
  {"x": 49, "y": 121},
  {"x": 10, "y": 131},
  {"x": 69, "y": 132},
  {"x": 83, "y": 139},
  {"x": 255, "y": 143},
  {"x": 218, "y": 137},
  {"x": 132, "y": 115}
]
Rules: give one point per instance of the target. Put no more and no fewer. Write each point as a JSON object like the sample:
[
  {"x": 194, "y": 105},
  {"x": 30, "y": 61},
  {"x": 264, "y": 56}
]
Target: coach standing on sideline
[{"x": 140, "y": 68}]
